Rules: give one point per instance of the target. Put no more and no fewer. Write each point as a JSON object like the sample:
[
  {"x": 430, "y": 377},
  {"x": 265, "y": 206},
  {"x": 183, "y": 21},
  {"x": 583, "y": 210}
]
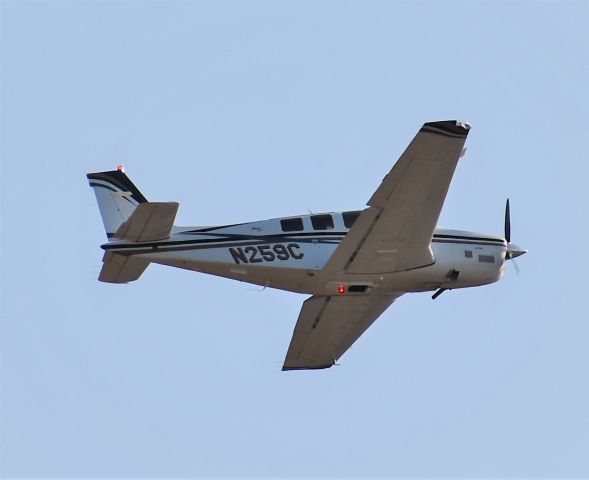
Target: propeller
[
  {"x": 507, "y": 223},
  {"x": 513, "y": 251}
]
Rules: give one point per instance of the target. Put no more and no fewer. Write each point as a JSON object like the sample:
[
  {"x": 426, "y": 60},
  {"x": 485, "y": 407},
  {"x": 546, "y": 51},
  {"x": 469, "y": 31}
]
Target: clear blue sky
[{"x": 251, "y": 110}]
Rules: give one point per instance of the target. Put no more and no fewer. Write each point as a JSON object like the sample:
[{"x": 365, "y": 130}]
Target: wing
[
  {"x": 328, "y": 326},
  {"x": 395, "y": 232}
]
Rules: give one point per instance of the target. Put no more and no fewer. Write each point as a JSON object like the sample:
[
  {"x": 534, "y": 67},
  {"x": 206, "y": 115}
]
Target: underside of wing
[
  {"x": 328, "y": 325},
  {"x": 395, "y": 231}
]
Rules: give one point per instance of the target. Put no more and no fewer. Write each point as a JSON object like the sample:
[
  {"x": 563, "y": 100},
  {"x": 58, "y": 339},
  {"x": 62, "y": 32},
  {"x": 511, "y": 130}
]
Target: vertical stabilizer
[{"x": 117, "y": 198}]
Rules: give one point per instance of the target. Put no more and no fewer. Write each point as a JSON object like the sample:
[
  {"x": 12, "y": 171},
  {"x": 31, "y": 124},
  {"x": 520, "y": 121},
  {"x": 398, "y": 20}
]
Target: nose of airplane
[{"x": 514, "y": 251}]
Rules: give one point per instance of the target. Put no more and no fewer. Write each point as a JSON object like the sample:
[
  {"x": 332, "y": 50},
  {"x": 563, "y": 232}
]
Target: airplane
[{"x": 354, "y": 264}]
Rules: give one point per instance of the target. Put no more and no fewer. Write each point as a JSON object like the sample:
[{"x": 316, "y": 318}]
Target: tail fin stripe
[
  {"x": 101, "y": 185},
  {"x": 119, "y": 180},
  {"x": 120, "y": 193}
]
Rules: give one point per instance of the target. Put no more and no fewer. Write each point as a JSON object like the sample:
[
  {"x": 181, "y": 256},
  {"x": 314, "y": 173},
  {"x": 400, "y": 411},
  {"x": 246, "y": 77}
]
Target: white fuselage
[{"x": 290, "y": 253}]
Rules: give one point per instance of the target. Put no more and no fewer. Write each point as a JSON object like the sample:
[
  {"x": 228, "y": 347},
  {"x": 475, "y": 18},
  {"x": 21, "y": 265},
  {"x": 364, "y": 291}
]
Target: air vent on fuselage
[{"x": 357, "y": 288}]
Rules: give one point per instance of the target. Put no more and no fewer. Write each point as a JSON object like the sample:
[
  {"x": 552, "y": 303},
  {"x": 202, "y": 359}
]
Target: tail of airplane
[{"x": 128, "y": 216}]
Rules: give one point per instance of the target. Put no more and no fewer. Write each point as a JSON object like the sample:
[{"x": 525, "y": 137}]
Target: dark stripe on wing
[{"x": 447, "y": 128}]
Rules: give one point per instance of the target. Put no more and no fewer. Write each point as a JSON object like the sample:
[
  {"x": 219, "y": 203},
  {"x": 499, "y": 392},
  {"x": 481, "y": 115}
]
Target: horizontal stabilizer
[
  {"x": 149, "y": 222},
  {"x": 121, "y": 268}
]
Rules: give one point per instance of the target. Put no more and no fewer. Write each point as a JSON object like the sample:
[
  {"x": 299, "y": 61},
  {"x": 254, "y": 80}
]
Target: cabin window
[
  {"x": 322, "y": 222},
  {"x": 292, "y": 224},
  {"x": 487, "y": 258},
  {"x": 350, "y": 218},
  {"x": 468, "y": 253}
]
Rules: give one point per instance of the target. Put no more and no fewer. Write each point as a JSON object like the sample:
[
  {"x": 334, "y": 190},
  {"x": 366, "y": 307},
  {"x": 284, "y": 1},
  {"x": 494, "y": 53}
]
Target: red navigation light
[
  {"x": 120, "y": 168},
  {"x": 341, "y": 288}
]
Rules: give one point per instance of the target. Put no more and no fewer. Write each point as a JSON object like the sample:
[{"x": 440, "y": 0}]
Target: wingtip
[
  {"x": 308, "y": 367},
  {"x": 454, "y": 128}
]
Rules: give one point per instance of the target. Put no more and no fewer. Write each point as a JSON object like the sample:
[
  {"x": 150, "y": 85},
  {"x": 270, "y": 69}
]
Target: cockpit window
[
  {"x": 292, "y": 224},
  {"x": 350, "y": 218},
  {"x": 322, "y": 222}
]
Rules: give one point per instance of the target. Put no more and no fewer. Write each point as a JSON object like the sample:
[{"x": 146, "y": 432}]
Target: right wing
[{"x": 329, "y": 325}]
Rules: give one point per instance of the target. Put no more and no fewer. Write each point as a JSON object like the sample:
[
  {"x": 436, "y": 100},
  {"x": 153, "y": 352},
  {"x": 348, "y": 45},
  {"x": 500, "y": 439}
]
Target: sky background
[{"x": 252, "y": 110}]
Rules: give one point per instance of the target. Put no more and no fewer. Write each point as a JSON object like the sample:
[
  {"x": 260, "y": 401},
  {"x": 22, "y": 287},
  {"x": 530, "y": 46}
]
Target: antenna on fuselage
[{"x": 439, "y": 291}]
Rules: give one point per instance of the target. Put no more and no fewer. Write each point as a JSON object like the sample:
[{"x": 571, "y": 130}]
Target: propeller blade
[
  {"x": 507, "y": 222},
  {"x": 515, "y": 265}
]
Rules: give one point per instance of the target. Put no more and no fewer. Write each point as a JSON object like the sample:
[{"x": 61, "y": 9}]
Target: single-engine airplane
[{"x": 354, "y": 264}]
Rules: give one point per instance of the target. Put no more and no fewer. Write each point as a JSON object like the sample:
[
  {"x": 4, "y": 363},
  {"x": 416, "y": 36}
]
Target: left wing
[
  {"x": 394, "y": 233},
  {"x": 329, "y": 325}
]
